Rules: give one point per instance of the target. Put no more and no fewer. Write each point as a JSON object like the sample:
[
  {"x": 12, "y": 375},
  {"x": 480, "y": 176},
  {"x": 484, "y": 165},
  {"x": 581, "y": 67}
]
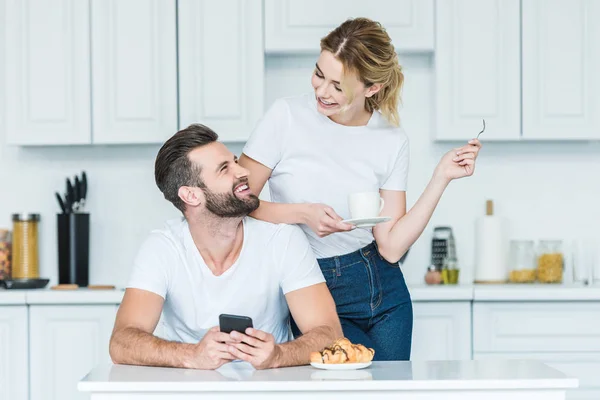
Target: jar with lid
[
  {"x": 25, "y": 257},
  {"x": 550, "y": 261},
  {"x": 5, "y": 256},
  {"x": 522, "y": 261}
]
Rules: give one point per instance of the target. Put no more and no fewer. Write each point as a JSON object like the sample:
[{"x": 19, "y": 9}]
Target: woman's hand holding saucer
[{"x": 323, "y": 220}]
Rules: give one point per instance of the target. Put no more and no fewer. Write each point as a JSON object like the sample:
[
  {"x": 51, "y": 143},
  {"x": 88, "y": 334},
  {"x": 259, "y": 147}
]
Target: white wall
[{"x": 545, "y": 189}]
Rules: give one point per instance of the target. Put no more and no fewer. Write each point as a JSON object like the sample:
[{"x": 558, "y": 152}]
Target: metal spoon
[{"x": 482, "y": 129}]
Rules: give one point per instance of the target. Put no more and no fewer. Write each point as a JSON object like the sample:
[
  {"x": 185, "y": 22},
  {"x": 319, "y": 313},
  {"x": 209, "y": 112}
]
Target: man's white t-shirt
[
  {"x": 275, "y": 259},
  {"x": 315, "y": 160}
]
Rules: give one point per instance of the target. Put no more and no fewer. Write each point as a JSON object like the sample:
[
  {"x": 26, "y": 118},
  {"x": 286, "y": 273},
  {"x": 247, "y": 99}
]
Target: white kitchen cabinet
[
  {"x": 298, "y": 25},
  {"x": 47, "y": 78},
  {"x": 14, "y": 352},
  {"x": 565, "y": 335},
  {"x": 584, "y": 366},
  {"x": 536, "y": 327},
  {"x": 66, "y": 342},
  {"x": 441, "y": 331},
  {"x": 134, "y": 71},
  {"x": 221, "y": 66},
  {"x": 561, "y": 60},
  {"x": 477, "y": 69}
]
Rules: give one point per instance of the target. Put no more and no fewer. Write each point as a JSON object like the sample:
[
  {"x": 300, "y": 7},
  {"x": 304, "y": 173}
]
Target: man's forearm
[
  {"x": 135, "y": 347},
  {"x": 297, "y": 352}
]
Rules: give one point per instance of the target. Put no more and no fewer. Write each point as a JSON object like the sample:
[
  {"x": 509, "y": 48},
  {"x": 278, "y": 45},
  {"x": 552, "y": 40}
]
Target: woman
[{"x": 317, "y": 149}]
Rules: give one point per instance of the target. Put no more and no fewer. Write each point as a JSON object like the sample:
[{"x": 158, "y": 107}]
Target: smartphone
[{"x": 238, "y": 323}]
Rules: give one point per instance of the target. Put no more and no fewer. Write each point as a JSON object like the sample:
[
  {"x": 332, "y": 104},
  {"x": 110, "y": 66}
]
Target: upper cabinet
[
  {"x": 221, "y": 65},
  {"x": 134, "y": 71},
  {"x": 104, "y": 73},
  {"x": 561, "y": 60},
  {"x": 48, "y": 77},
  {"x": 298, "y": 25},
  {"x": 477, "y": 69}
]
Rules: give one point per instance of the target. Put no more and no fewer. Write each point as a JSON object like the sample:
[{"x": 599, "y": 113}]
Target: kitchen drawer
[
  {"x": 583, "y": 366},
  {"x": 536, "y": 327}
]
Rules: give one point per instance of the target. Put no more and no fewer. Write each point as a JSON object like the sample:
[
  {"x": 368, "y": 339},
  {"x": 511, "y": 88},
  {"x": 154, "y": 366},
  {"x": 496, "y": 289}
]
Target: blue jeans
[{"x": 372, "y": 301}]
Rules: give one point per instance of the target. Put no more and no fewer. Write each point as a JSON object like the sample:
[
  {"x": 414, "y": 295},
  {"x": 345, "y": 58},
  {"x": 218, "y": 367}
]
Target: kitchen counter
[
  {"x": 505, "y": 292},
  {"x": 441, "y": 292},
  {"x": 419, "y": 293},
  {"x": 536, "y": 292},
  {"x": 12, "y": 297},
  {"x": 482, "y": 379},
  {"x": 49, "y": 296}
]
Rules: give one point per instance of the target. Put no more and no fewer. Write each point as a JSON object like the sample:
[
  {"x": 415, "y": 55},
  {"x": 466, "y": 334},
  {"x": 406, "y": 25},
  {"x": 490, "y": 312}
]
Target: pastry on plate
[{"x": 342, "y": 351}]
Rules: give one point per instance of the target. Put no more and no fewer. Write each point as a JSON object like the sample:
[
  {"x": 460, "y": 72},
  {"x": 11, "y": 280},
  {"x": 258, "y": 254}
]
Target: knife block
[{"x": 73, "y": 248}]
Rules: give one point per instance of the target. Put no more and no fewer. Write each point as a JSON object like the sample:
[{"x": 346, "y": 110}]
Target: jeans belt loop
[{"x": 338, "y": 270}]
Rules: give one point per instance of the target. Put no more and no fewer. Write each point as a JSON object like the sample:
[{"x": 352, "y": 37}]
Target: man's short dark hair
[{"x": 173, "y": 167}]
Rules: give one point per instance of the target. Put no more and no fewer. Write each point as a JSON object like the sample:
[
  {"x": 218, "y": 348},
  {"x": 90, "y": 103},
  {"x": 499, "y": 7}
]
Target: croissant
[{"x": 342, "y": 351}]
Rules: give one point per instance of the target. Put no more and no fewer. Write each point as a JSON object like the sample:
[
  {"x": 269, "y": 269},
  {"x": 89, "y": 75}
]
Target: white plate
[
  {"x": 364, "y": 375},
  {"x": 341, "y": 367},
  {"x": 366, "y": 222}
]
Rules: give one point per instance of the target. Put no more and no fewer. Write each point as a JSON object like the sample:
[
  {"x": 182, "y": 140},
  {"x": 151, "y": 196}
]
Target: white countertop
[
  {"x": 536, "y": 292},
  {"x": 12, "y": 297},
  {"x": 441, "y": 292},
  {"x": 380, "y": 376},
  {"x": 49, "y": 296},
  {"x": 419, "y": 293}
]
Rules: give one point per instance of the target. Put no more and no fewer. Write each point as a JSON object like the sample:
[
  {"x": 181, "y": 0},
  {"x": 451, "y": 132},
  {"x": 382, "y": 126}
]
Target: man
[{"x": 214, "y": 261}]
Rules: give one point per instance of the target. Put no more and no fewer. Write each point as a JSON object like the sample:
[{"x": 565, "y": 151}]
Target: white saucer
[
  {"x": 340, "y": 367},
  {"x": 366, "y": 222}
]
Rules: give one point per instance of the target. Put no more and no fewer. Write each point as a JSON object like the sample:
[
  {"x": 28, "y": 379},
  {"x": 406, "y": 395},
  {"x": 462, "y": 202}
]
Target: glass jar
[
  {"x": 25, "y": 258},
  {"x": 550, "y": 261},
  {"x": 5, "y": 257},
  {"x": 450, "y": 271},
  {"x": 522, "y": 261}
]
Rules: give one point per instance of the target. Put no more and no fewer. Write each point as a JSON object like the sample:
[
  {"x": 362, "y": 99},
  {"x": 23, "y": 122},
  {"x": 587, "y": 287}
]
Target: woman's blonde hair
[{"x": 364, "y": 48}]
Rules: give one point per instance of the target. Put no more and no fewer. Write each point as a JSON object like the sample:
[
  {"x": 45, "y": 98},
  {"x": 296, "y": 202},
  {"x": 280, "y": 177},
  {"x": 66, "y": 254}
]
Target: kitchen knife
[
  {"x": 71, "y": 195},
  {"x": 61, "y": 203},
  {"x": 83, "y": 191},
  {"x": 76, "y": 193}
]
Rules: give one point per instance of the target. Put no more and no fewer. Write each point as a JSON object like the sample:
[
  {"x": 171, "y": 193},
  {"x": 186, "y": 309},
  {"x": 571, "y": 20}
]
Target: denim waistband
[{"x": 350, "y": 258}]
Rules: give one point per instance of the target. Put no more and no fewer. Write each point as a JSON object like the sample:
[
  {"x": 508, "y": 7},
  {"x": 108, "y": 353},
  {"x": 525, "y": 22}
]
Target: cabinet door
[
  {"x": 221, "y": 76},
  {"x": 14, "y": 353},
  {"x": 583, "y": 366},
  {"x": 441, "y": 331},
  {"x": 134, "y": 71},
  {"x": 66, "y": 342},
  {"x": 299, "y": 25},
  {"x": 561, "y": 60},
  {"x": 477, "y": 69},
  {"x": 48, "y": 77}
]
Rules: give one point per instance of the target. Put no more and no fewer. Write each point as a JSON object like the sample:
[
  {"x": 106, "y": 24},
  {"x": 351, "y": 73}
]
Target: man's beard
[{"x": 228, "y": 205}]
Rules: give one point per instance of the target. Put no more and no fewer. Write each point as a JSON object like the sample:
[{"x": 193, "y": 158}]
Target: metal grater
[{"x": 442, "y": 245}]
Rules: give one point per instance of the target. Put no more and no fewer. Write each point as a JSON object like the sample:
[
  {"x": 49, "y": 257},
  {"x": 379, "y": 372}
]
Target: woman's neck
[{"x": 349, "y": 118}]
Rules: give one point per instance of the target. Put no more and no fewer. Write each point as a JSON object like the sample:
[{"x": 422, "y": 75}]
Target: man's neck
[{"x": 219, "y": 240}]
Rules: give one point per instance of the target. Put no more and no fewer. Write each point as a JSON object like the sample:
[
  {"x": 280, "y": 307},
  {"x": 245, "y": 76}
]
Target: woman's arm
[
  {"x": 396, "y": 236},
  {"x": 268, "y": 211},
  {"x": 321, "y": 218}
]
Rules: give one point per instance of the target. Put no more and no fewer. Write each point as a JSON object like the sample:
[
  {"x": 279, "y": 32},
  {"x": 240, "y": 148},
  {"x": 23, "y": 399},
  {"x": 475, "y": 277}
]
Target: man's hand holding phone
[
  {"x": 212, "y": 351},
  {"x": 256, "y": 347}
]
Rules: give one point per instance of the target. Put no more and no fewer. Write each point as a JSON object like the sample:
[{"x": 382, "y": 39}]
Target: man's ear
[
  {"x": 374, "y": 88},
  {"x": 192, "y": 196}
]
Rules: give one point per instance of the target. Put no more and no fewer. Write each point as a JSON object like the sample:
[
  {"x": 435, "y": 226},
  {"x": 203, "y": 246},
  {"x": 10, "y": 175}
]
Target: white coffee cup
[{"x": 365, "y": 205}]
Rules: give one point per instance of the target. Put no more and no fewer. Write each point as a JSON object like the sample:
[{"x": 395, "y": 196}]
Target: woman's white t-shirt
[{"x": 315, "y": 160}]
